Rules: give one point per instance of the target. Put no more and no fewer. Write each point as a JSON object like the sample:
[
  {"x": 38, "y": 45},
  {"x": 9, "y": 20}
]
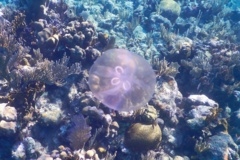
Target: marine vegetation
[{"x": 125, "y": 79}]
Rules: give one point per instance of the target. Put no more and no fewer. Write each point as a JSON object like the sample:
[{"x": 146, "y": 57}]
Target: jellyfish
[{"x": 122, "y": 80}]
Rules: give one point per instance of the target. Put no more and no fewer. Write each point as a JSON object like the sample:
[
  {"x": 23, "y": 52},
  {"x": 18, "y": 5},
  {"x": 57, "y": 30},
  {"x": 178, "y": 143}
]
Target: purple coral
[
  {"x": 122, "y": 80},
  {"x": 79, "y": 133}
]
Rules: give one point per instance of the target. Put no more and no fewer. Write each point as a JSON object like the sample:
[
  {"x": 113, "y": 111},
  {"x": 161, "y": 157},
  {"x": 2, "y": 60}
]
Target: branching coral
[
  {"x": 43, "y": 70},
  {"x": 55, "y": 72},
  {"x": 18, "y": 23},
  {"x": 165, "y": 68},
  {"x": 8, "y": 46},
  {"x": 201, "y": 146}
]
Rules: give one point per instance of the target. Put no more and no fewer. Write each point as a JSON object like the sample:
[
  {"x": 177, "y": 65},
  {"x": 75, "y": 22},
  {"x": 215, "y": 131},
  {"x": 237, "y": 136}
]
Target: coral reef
[
  {"x": 167, "y": 98},
  {"x": 56, "y": 95},
  {"x": 27, "y": 149},
  {"x": 8, "y": 116},
  {"x": 49, "y": 109},
  {"x": 219, "y": 146}
]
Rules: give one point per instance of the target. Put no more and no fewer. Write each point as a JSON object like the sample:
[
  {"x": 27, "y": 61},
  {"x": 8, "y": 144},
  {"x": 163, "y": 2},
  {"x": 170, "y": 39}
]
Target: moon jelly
[{"x": 122, "y": 80}]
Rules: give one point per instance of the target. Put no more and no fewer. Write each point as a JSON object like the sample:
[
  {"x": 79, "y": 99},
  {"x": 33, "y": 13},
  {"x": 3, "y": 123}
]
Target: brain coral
[
  {"x": 122, "y": 80},
  {"x": 142, "y": 137}
]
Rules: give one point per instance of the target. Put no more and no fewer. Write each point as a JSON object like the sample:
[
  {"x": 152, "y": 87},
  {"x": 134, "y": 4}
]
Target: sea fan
[{"x": 79, "y": 133}]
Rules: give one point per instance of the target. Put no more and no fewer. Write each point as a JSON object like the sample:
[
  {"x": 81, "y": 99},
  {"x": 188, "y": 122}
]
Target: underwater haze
[{"x": 119, "y": 79}]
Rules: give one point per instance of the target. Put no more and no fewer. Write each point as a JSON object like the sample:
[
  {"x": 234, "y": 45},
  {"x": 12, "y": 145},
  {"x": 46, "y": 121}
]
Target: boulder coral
[
  {"x": 143, "y": 137},
  {"x": 8, "y": 117},
  {"x": 170, "y": 9}
]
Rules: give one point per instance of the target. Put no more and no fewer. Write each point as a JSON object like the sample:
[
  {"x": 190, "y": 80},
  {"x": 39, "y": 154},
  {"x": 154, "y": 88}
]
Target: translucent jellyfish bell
[{"x": 122, "y": 80}]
